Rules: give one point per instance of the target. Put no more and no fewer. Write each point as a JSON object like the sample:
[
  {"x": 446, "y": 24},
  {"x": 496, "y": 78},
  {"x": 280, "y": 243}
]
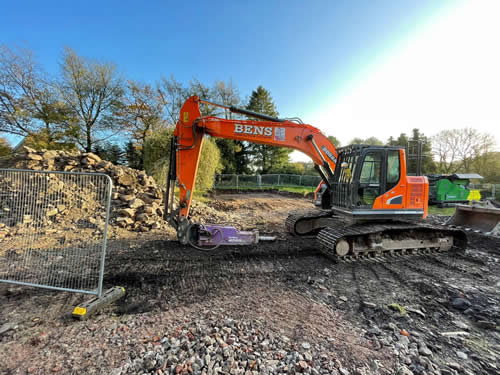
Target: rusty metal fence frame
[{"x": 106, "y": 184}]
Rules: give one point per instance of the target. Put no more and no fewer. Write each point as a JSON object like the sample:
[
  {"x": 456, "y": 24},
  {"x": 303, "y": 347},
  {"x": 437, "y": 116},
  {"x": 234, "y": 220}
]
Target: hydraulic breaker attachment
[{"x": 211, "y": 236}]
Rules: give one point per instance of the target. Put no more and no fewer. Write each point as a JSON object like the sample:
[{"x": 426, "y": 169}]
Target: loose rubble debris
[{"x": 137, "y": 200}]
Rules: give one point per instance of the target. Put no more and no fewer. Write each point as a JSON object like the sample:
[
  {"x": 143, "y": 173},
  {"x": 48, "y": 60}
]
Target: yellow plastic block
[
  {"x": 79, "y": 311},
  {"x": 474, "y": 195}
]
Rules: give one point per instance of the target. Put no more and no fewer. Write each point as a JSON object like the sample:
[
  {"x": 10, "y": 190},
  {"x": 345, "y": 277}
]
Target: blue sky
[{"x": 311, "y": 55}]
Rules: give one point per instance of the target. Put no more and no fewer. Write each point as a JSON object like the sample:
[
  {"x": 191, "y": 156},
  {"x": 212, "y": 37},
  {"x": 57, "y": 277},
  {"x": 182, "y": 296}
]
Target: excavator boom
[{"x": 192, "y": 128}]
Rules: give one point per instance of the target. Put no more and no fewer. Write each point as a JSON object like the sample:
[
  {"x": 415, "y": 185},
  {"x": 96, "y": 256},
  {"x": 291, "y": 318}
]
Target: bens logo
[{"x": 255, "y": 130}]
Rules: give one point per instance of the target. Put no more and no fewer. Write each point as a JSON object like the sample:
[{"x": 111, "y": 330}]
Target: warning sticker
[{"x": 279, "y": 134}]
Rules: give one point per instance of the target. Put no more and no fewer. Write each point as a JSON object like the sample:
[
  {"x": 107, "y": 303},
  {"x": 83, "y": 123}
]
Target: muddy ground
[{"x": 444, "y": 318}]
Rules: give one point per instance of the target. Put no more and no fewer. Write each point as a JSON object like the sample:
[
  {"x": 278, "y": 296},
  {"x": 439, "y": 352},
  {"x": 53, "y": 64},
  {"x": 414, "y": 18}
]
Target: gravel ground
[{"x": 274, "y": 308}]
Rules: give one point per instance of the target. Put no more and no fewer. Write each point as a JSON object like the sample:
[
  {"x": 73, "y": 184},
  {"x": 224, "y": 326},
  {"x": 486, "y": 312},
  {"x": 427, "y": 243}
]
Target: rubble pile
[{"x": 137, "y": 201}]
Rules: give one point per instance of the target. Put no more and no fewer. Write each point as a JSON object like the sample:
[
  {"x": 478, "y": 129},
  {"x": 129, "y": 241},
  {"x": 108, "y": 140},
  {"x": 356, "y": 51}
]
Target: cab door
[
  {"x": 394, "y": 193},
  {"x": 370, "y": 179}
]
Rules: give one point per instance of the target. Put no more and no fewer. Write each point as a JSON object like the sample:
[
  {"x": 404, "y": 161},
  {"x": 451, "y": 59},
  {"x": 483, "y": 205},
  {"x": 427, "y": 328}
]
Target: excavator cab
[{"x": 370, "y": 183}]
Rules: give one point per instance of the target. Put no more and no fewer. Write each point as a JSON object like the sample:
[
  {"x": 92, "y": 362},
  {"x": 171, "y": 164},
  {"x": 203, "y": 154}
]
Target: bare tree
[
  {"x": 227, "y": 94},
  {"x": 459, "y": 149},
  {"x": 173, "y": 95},
  {"x": 29, "y": 102},
  {"x": 93, "y": 91},
  {"x": 142, "y": 110}
]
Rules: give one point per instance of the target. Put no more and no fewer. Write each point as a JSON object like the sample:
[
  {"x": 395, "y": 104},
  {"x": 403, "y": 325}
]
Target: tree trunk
[{"x": 89, "y": 141}]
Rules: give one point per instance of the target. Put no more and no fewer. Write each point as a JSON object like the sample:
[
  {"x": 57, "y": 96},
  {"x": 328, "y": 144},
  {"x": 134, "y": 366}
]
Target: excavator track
[
  {"x": 344, "y": 241},
  {"x": 381, "y": 241}
]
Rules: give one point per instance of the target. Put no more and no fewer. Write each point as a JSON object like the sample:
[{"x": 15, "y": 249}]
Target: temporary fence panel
[{"x": 53, "y": 229}]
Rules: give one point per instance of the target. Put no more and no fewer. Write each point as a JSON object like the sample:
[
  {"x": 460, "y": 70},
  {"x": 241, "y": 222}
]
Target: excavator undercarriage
[{"x": 342, "y": 240}]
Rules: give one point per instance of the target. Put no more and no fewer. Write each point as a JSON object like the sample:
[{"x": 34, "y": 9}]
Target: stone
[
  {"x": 34, "y": 157},
  {"x": 136, "y": 203},
  {"x": 127, "y": 212},
  {"x": 126, "y": 197},
  {"x": 460, "y": 304},
  {"x": 486, "y": 324},
  {"x": 51, "y": 212},
  {"x": 92, "y": 156},
  {"x": 306, "y": 346},
  {"x": 424, "y": 350},
  {"x": 461, "y": 355},
  {"x": 126, "y": 180},
  {"x": 143, "y": 218},
  {"x": 404, "y": 371},
  {"x": 343, "y": 298},
  {"x": 51, "y": 154},
  {"x": 302, "y": 365},
  {"x": 124, "y": 221},
  {"x": 29, "y": 150},
  {"x": 404, "y": 340},
  {"x": 461, "y": 324},
  {"x": 7, "y": 327}
]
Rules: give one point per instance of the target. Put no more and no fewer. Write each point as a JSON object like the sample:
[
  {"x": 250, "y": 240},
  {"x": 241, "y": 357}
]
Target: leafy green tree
[
  {"x": 410, "y": 144},
  {"x": 111, "y": 152},
  {"x": 157, "y": 153},
  {"x": 5, "y": 148},
  {"x": 368, "y": 141},
  {"x": 93, "y": 92},
  {"x": 134, "y": 155},
  {"x": 334, "y": 140},
  {"x": 264, "y": 157}
]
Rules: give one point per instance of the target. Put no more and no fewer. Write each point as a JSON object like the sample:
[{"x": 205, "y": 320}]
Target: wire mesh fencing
[
  {"x": 53, "y": 229},
  {"x": 488, "y": 191},
  {"x": 235, "y": 181}
]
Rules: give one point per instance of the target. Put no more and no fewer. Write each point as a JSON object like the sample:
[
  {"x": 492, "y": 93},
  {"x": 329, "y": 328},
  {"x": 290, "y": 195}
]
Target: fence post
[
  {"x": 259, "y": 180},
  {"x": 300, "y": 180},
  {"x": 278, "y": 180},
  {"x": 493, "y": 191},
  {"x": 236, "y": 182}
]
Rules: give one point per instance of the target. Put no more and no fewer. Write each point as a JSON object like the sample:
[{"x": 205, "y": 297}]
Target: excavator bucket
[{"x": 481, "y": 217}]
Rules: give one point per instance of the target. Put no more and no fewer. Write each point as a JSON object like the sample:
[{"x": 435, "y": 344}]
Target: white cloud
[{"x": 446, "y": 76}]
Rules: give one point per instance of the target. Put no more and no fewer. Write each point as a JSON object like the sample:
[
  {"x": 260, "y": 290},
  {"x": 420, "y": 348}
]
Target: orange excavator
[{"x": 369, "y": 206}]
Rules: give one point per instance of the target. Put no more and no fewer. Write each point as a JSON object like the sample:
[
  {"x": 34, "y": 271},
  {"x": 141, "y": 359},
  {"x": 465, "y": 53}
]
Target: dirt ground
[{"x": 444, "y": 318}]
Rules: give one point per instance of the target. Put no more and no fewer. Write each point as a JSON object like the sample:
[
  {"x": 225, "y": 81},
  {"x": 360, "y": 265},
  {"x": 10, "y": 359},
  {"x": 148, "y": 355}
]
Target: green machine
[{"x": 448, "y": 190}]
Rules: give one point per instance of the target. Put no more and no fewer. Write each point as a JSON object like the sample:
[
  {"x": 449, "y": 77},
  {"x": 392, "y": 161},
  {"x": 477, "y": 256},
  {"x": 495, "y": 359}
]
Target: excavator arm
[{"x": 188, "y": 141}]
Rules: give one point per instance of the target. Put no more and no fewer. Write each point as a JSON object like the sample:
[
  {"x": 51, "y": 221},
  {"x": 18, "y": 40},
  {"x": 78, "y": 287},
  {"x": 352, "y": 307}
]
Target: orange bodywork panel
[
  {"x": 411, "y": 192},
  {"x": 192, "y": 127}
]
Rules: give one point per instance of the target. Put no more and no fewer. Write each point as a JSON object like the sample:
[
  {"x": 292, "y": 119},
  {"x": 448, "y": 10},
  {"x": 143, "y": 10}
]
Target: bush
[
  {"x": 157, "y": 153},
  {"x": 5, "y": 148}
]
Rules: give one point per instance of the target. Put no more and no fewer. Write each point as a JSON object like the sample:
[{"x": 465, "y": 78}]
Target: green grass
[{"x": 448, "y": 211}]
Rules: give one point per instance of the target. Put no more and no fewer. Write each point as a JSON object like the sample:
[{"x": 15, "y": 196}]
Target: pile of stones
[{"x": 137, "y": 201}]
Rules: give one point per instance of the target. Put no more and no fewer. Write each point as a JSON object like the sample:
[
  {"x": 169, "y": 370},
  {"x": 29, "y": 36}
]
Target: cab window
[
  {"x": 370, "y": 173},
  {"x": 393, "y": 169}
]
